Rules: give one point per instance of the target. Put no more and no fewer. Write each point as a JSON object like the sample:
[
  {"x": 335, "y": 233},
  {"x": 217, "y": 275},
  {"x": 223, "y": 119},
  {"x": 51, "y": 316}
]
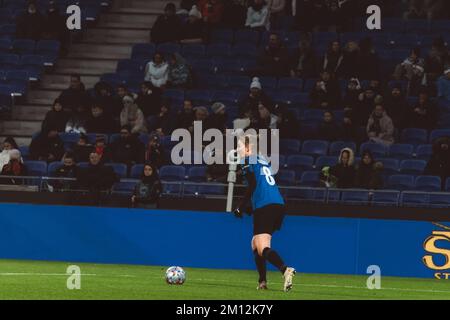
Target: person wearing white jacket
[
  {"x": 157, "y": 71},
  {"x": 258, "y": 16}
]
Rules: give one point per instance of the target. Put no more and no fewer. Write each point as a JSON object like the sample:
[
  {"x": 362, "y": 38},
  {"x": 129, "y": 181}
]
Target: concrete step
[
  {"x": 30, "y": 112},
  {"x": 21, "y": 141},
  {"x": 21, "y": 128},
  {"x": 125, "y": 36},
  {"x": 154, "y": 6},
  {"x": 85, "y": 66},
  {"x": 100, "y": 51},
  {"x": 127, "y": 21},
  {"x": 61, "y": 82},
  {"x": 42, "y": 97}
]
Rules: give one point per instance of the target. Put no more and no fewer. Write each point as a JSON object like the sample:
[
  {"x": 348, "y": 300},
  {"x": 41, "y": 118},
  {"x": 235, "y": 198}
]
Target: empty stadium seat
[
  {"x": 172, "y": 173},
  {"x": 385, "y": 197},
  {"x": 310, "y": 179},
  {"x": 125, "y": 187},
  {"x": 136, "y": 171},
  {"x": 197, "y": 174},
  {"x": 119, "y": 168},
  {"x": 439, "y": 200},
  {"x": 428, "y": 183},
  {"x": 424, "y": 151},
  {"x": 414, "y": 136},
  {"x": 377, "y": 150},
  {"x": 414, "y": 199},
  {"x": 315, "y": 147},
  {"x": 359, "y": 197},
  {"x": 438, "y": 133},
  {"x": 52, "y": 167},
  {"x": 285, "y": 177},
  {"x": 401, "y": 182},
  {"x": 36, "y": 168},
  {"x": 401, "y": 151},
  {"x": 289, "y": 146},
  {"x": 414, "y": 167},
  {"x": 300, "y": 162},
  {"x": 337, "y": 146},
  {"x": 326, "y": 161},
  {"x": 390, "y": 166}
]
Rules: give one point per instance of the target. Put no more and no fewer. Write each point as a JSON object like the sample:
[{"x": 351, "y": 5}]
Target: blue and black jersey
[{"x": 262, "y": 188}]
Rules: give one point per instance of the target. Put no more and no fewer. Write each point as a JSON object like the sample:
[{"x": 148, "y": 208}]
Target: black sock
[
  {"x": 260, "y": 266},
  {"x": 273, "y": 257}
]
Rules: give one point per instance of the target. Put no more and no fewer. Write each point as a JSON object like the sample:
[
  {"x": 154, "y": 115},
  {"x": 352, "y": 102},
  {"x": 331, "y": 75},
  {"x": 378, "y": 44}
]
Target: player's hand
[{"x": 238, "y": 213}]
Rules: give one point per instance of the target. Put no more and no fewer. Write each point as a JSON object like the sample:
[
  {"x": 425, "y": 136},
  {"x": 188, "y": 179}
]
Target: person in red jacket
[{"x": 212, "y": 11}]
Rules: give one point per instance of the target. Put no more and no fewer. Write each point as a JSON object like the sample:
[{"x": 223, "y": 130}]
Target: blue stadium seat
[
  {"x": 337, "y": 146},
  {"x": 5, "y": 46},
  {"x": 9, "y": 62},
  {"x": 239, "y": 82},
  {"x": 24, "y": 46},
  {"x": 222, "y": 36},
  {"x": 414, "y": 199},
  {"x": 414, "y": 167},
  {"x": 92, "y": 137},
  {"x": 289, "y": 146},
  {"x": 113, "y": 79},
  {"x": 401, "y": 182},
  {"x": 125, "y": 188},
  {"x": 33, "y": 64},
  {"x": 378, "y": 150},
  {"x": 401, "y": 151},
  {"x": 36, "y": 168},
  {"x": 119, "y": 168},
  {"x": 290, "y": 84},
  {"x": 200, "y": 96},
  {"x": 300, "y": 162},
  {"x": 313, "y": 116},
  {"x": 247, "y": 37},
  {"x": 268, "y": 83},
  {"x": 424, "y": 151},
  {"x": 358, "y": 197},
  {"x": 240, "y": 51},
  {"x": 171, "y": 189},
  {"x": 211, "y": 190},
  {"x": 24, "y": 152},
  {"x": 49, "y": 49},
  {"x": 285, "y": 178},
  {"x": 172, "y": 173},
  {"x": 315, "y": 147},
  {"x": 175, "y": 95},
  {"x": 197, "y": 174},
  {"x": 390, "y": 166},
  {"x": 440, "y": 200},
  {"x": 310, "y": 179},
  {"x": 169, "y": 48},
  {"x": 52, "y": 167},
  {"x": 428, "y": 183},
  {"x": 438, "y": 133},
  {"x": 18, "y": 80},
  {"x": 194, "y": 50},
  {"x": 143, "y": 51},
  {"x": 385, "y": 198},
  {"x": 218, "y": 50},
  {"x": 414, "y": 136},
  {"x": 326, "y": 161},
  {"x": 69, "y": 139},
  {"x": 306, "y": 194},
  {"x": 136, "y": 171},
  {"x": 226, "y": 97}
]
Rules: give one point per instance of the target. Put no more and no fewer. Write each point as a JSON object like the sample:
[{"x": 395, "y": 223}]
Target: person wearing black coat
[
  {"x": 30, "y": 24},
  {"x": 69, "y": 169},
  {"x": 99, "y": 122},
  {"x": 167, "y": 27},
  {"x": 75, "y": 95},
  {"x": 439, "y": 163},
  {"x": 147, "y": 192},
  {"x": 397, "y": 106},
  {"x": 56, "y": 118},
  {"x": 149, "y": 99},
  {"x": 344, "y": 171},
  {"x": 329, "y": 129},
  {"x": 127, "y": 149},
  {"x": 96, "y": 177},
  {"x": 47, "y": 146},
  {"x": 369, "y": 172}
]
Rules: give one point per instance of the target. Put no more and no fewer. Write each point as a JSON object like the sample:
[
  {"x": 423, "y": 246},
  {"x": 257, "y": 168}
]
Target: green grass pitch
[{"x": 47, "y": 280}]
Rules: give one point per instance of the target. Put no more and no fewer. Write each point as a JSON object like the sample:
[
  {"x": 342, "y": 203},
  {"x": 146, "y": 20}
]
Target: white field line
[{"x": 298, "y": 284}]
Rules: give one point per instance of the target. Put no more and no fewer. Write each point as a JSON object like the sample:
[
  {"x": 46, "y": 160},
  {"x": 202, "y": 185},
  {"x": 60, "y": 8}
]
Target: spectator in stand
[
  {"x": 349, "y": 131},
  {"x": 162, "y": 123},
  {"x": 328, "y": 130},
  {"x": 426, "y": 9},
  {"x": 352, "y": 93},
  {"x": 133, "y": 116},
  {"x": 8, "y": 144},
  {"x": 380, "y": 128},
  {"x": 218, "y": 118},
  {"x": 194, "y": 28},
  {"x": 155, "y": 153},
  {"x": 275, "y": 58},
  {"x": 349, "y": 66},
  {"x": 212, "y": 11},
  {"x": 201, "y": 114},
  {"x": 345, "y": 171},
  {"x": 157, "y": 71},
  {"x": 276, "y": 9},
  {"x": 368, "y": 62},
  {"x": 333, "y": 58},
  {"x": 444, "y": 86},
  {"x": 304, "y": 62},
  {"x": 436, "y": 60},
  {"x": 147, "y": 192},
  {"x": 78, "y": 120},
  {"x": 439, "y": 163},
  {"x": 167, "y": 27},
  {"x": 185, "y": 116},
  {"x": 69, "y": 169},
  {"x": 319, "y": 96},
  {"x": 367, "y": 102},
  {"x": 326, "y": 94},
  {"x": 251, "y": 102},
  {"x": 30, "y": 24},
  {"x": 102, "y": 149},
  {"x": 75, "y": 95},
  {"x": 417, "y": 10},
  {"x": 96, "y": 177},
  {"x": 47, "y": 146},
  {"x": 266, "y": 119},
  {"x": 258, "y": 16},
  {"x": 54, "y": 26},
  {"x": 412, "y": 69},
  {"x": 369, "y": 173},
  {"x": 121, "y": 92},
  {"x": 424, "y": 114},
  {"x": 82, "y": 149},
  {"x": 14, "y": 168},
  {"x": 99, "y": 121},
  {"x": 127, "y": 149},
  {"x": 287, "y": 123},
  {"x": 56, "y": 118},
  {"x": 397, "y": 106},
  {"x": 149, "y": 99},
  {"x": 234, "y": 13},
  {"x": 103, "y": 95},
  {"x": 179, "y": 74}
]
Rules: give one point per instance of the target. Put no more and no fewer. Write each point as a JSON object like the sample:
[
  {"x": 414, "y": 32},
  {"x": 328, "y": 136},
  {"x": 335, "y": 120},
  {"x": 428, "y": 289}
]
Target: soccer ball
[{"x": 175, "y": 275}]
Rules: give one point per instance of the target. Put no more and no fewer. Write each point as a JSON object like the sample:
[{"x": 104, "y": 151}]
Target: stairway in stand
[{"x": 128, "y": 22}]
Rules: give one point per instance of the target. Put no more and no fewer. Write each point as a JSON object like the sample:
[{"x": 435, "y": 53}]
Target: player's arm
[{"x": 251, "y": 180}]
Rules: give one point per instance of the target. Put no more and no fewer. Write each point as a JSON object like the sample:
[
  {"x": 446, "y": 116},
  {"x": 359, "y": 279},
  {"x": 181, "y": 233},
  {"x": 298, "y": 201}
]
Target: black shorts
[{"x": 268, "y": 219}]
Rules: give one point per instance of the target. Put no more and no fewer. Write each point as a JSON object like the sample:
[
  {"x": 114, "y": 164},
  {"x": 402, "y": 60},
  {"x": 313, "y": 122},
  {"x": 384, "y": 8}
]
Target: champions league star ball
[{"x": 175, "y": 275}]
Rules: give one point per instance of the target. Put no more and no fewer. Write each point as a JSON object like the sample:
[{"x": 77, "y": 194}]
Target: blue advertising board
[{"x": 219, "y": 240}]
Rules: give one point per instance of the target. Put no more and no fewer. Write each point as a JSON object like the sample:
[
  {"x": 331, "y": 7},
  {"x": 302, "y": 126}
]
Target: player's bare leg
[
  {"x": 261, "y": 267},
  {"x": 262, "y": 243}
]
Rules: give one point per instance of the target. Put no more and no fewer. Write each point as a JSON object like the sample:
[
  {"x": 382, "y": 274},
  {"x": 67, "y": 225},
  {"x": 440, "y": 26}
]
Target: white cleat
[
  {"x": 262, "y": 285},
  {"x": 288, "y": 275}
]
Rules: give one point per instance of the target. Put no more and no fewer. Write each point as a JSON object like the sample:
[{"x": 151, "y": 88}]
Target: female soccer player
[{"x": 268, "y": 212}]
